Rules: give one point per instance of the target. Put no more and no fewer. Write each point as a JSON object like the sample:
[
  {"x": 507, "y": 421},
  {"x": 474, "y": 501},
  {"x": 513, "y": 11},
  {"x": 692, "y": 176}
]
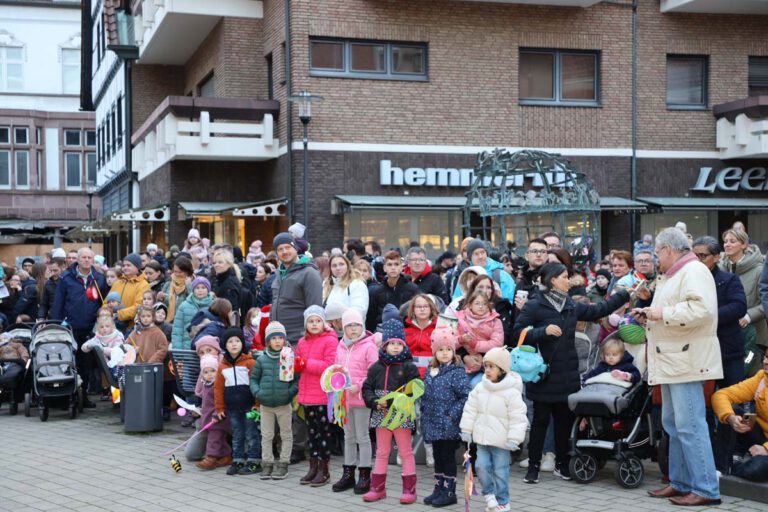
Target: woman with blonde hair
[
  {"x": 344, "y": 286},
  {"x": 226, "y": 280}
]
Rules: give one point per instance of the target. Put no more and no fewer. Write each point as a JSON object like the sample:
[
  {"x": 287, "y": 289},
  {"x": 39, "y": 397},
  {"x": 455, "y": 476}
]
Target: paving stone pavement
[{"x": 89, "y": 465}]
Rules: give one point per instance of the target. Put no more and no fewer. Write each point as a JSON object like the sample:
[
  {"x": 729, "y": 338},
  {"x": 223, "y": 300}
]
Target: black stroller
[
  {"x": 54, "y": 372},
  {"x": 14, "y": 364}
]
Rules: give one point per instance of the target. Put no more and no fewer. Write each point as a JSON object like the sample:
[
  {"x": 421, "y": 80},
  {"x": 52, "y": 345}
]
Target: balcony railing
[
  {"x": 186, "y": 128},
  {"x": 742, "y": 128},
  {"x": 169, "y": 31},
  {"x": 715, "y": 6}
]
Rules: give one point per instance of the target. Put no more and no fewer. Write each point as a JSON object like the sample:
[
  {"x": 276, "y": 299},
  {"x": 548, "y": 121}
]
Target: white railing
[{"x": 742, "y": 138}]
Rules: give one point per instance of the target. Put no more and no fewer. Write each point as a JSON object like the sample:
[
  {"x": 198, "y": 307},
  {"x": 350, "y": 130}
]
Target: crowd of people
[{"x": 270, "y": 327}]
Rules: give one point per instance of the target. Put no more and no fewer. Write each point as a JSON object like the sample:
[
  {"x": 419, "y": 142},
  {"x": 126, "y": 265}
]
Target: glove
[
  {"x": 512, "y": 446},
  {"x": 618, "y": 374},
  {"x": 466, "y": 437}
]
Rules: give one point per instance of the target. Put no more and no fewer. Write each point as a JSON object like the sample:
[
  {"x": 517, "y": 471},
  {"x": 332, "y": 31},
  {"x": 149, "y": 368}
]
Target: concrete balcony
[
  {"x": 187, "y": 128},
  {"x": 169, "y": 31},
  {"x": 716, "y": 6},
  {"x": 742, "y": 128}
]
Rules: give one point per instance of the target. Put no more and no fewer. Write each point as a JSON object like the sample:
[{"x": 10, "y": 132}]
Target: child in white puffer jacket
[{"x": 495, "y": 419}]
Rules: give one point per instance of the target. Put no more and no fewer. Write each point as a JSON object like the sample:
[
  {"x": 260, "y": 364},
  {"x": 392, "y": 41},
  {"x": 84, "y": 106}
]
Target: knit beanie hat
[
  {"x": 151, "y": 247},
  {"x": 603, "y": 272},
  {"x": 208, "y": 341},
  {"x": 475, "y": 245},
  {"x": 273, "y": 329},
  {"x": 114, "y": 296},
  {"x": 134, "y": 259},
  {"x": 390, "y": 312},
  {"x": 283, "y": 238},
  {"x": 334, "y": 311},
  {"x": 233, "y": 332},
  {"x": 59, "y": 253},
  {"x": 209, "y": 361},
  {"x": 391, "y": 325},
  {"x": 160, "y": 305},
  {"x": 313, "y": 310},
  {"x": 444, "y": 336},
  {"x": 193, "y": 233},
  {"x": 201, "y": 280},
  {"x": 500, "y": 357},
  {"x": 351, "y": 316},
  {"x": 297, "y": 230}
]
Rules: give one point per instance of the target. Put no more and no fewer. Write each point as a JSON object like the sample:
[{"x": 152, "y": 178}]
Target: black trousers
[
  {"x": 444, "y": 451},
  {"x": 563, "y": 418},
  {"x": 721, "y": 435},
  {"x": 84, "y": 360}
]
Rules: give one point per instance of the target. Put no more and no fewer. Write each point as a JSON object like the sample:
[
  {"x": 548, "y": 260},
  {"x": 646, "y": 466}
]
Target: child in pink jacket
[
  {"x": 480, "y": 330},
  {"x": 318, "y": 350},
  {"x": 357, "y": 351}
]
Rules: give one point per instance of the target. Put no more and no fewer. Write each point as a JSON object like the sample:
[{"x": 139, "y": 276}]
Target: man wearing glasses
[
  {"x": 552, "y": 239},
  {"x": 535, "y": 257},
  {"x": 420, "y": 271},
  {"x": 644, "y": 265}
]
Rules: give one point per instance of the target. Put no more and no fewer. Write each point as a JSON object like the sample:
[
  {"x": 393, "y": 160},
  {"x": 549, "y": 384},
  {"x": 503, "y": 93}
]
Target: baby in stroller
[{"x": 13, "y": 359}]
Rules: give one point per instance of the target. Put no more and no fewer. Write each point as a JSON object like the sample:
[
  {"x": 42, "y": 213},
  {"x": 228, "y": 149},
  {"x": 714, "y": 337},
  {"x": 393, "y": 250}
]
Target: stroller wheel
[
  {"x": 629, "y": 472},
  {"x": 43, "y": 412},
  {"x": 583, "y": 468},
  {"x": 27, "y": 404},
  {"x": 13, "y": 408}
]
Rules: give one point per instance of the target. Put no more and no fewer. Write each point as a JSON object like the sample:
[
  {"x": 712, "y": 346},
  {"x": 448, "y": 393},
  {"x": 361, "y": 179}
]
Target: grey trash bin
[{"x": 143, "y": 396}]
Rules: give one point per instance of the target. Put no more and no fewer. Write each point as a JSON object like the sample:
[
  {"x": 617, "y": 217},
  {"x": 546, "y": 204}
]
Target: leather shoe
[
  {"x": 667, "y": 492},
  {"x": 693, "y": 500}
]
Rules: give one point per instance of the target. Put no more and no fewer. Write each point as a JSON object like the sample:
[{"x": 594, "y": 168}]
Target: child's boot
[
  {"x": 364, "y": 481},
  {"x": 347, "y": 480},
  {"x": 323, "y": 474},
  {"x": 266, "y": 470},
  {"x": 311, "y": 473},
  {"x": 448, "y": 494},
  {"x": 378, "y": 489},
  {"x": 409, "y": 490},
  {"x": 439, "y": 480},
  {"x": 207, "y": 463},
  {"x": 280, "y": 471}
]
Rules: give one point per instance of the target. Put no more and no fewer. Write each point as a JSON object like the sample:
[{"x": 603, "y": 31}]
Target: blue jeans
[
  {"x": 691, "y": 463},
  {"x": 244, "y": 430},
  {"x": 493, "y": 472}
]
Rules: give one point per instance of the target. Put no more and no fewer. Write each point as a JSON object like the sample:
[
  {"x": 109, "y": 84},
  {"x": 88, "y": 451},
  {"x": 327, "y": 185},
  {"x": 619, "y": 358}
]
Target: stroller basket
[{"x": 186, "y": 368}]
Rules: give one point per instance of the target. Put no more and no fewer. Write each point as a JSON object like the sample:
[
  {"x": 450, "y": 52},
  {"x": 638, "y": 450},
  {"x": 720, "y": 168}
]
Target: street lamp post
[
  {"x": 305, "y": 99},
  {"x": 90, "y": 189}
]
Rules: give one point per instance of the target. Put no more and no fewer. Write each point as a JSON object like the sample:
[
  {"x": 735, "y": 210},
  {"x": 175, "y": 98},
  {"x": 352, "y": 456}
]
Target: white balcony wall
[
  {"x": 744, "y": 138},
  {"x": 716, "y": 6}
]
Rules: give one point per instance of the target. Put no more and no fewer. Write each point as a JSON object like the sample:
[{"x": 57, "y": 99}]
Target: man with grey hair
[
  {"x": 421, "y": 273},
  {"x": 683, "y": 352}
]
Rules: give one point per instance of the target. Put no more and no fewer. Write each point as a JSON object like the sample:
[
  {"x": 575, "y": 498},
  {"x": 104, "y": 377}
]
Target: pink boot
[
  {"x": 378, "y": 489},
  {"x": 409, "y": 490}
]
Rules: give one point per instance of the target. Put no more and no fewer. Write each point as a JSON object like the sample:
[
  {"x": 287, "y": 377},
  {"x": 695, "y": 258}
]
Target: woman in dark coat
[
  {"x": 226, "y": 280},
  {"x": 552, "y": 316}
]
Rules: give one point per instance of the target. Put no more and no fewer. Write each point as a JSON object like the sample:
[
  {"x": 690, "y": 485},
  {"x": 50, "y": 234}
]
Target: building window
[
  {"x": 90, "y": 168},
  {"x": 114, "y": 129},
  {"x": 11, "y": 68},
  {"x": 70, "y": 70},
  {"x": 686, "y": 82},
  {"x": 21, "y": 136},
  {"x": 39, "y": 134},
  {"x": 5, "y": 169},
  {"x": 22, "y": 169},
  {"x": 758, "y": 76},
  {"x": 90, "y": 138},
  {"x": 368, "y": 59},
  {"x": 270, "y": 78},
  {"x": 284, "y": 60},
  {"x": 206, "y": 87},
  {"x": 72, "y": 170},
  {"x": 39, "y": 170},
  {"x": 71, "y": 137},
  {"x": 558, "y": 77},
  {"x": 120, "y": 122},
  {"x": 5, "y": 135}
]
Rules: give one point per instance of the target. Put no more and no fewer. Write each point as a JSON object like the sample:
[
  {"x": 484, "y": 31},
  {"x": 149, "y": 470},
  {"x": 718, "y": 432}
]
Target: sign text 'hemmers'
[{"x": 731, "y": 179}]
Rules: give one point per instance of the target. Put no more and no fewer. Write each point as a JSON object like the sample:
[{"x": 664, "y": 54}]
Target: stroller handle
[{"x": 45, "y": 323}]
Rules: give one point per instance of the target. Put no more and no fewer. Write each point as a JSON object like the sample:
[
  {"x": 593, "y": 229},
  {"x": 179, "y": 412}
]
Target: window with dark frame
[
  {"x": 758, "y": 76},
  {"x": 90, "y": 168},
  {"x": 71, "y": 137},
  {"x": 207, "y": 86},
  {"x": 687, "y": 82},
  {"x": 114, "y": 130},
  {"x": 368, "y": 59},
  {"x": 559, "y": 77},
  {"x": 73, "y": 170},
  {"x": 270, "y": 77},
  {"x": 284, "y": 60},
  {"x": 90, "y": 138},
  {"x": 22, "y": 168},
  {"x": 21, "y": 136},
  {"x": 120, "y": 122},
  {"x": 5, "y": 169},
  {"x": 5, "y": 135}
]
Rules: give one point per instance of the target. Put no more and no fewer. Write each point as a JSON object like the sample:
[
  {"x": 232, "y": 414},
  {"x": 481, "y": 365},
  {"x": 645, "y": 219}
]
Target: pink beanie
[
  {"x": 209, "y": 361},
  {"x": 351, "y": 316},
  {"x": 208, "y": 341},
  {"x": 193, "y": 233},
  {"x": 444, "y": 336}
]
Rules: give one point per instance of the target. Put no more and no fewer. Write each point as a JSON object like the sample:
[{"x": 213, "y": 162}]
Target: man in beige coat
[{"x": 683, "y": 352}]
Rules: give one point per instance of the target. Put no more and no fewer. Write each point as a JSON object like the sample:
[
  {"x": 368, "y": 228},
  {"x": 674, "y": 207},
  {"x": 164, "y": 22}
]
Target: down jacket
[
  {"x": 683, "y": 346},
  {"x": 353, "y": 296},
  {"x": 443, "y": 402},
  {"x": 184, "y": 314},
  {"x": 131, "y": 292},
  {"x": 356, "y": 359},
  {"x": 495, "y": 413},
  {"x": 487, "y": 332},
  {"x": 318, "y": 351},
  {"x": 731, "y": 307},
  {"x": 231, "y": 387},
  {"x": 419, "y": 340},
  {"x": 294, "y": 289},
  {"x": 745, "y": 391},
  {"x": 266, "y": 385},
  {"x": 384, "y": 378}
]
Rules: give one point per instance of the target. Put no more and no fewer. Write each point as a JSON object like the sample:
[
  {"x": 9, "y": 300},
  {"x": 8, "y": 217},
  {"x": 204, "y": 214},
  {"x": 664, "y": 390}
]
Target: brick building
[{"x": 414, "y": 90}]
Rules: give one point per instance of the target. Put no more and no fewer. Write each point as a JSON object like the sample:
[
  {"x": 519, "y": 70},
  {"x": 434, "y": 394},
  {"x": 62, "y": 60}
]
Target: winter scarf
[
  {"x": 178, "y": 286},
  {"x": 557, "y": 299},
  {"x": 474, "y": 321},
  {"x": 388, "y": 359}
]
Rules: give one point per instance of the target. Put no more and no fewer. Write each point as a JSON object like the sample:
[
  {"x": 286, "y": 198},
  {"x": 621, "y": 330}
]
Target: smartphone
[{"x": 748, "y": 416}]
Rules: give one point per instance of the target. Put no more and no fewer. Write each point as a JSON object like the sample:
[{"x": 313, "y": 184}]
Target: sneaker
[
  {"x": 490, "y": 502},
  {"x": 280, "y": 471},
  {"x": 561, "y": 470},
  {"x": 250, "y": 468},
  {"x": 548, "y": 462},
  {"x": 523, "y": 464},
  {"x": 235, "y": 468},
  {"x": 503, "y": 508},
  {"x": 532, "y": 475},
  {"x": 266, "y": 471}
]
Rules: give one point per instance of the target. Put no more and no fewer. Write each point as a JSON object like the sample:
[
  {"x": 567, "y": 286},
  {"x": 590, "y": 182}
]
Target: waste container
[{"x": 143, "y": 396}]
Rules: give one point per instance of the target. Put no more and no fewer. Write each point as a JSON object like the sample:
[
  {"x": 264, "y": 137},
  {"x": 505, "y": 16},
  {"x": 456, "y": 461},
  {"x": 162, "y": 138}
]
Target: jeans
[
  {"x": 691, "y": 463},
  {"x": 722, "y": 436},
  {"x": 563, "y": 420},
  {"x": 754, "y": 468},
  {"x": 244, "y": 431},
  {"x": 493, "y": 472},
  {"x": 444, "y": 451}
]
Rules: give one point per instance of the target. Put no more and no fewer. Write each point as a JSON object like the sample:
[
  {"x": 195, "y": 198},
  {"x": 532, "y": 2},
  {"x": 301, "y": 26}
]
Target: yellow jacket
[
  {"x": 131, "y": 292},
  {"x": 744, "y": 391}
]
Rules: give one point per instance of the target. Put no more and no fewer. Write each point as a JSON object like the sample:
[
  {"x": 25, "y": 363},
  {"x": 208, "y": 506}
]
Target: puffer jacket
[
  {"x": 208, "y": 407},
  {"x": 227, "y": 286},
  {"x": 745, "y": 391},
  {"x": 356, "y": 359},
  {"x": 294, "y": 289},
  {"x": 749, "y": 269},
  {"x": 353, "y": 296},
  {"x": 231, "y": 388},
  {"x": 318, "y": 351},
  {"x": 180, "y": 339},
  {"x": 495, "y": 413},
  {"x": 731, "y": 307},
  {"x": 683, "y": 345},
  {"x": 71, "y": 302},
  {"x": 131, "y": 292},
  {"x": 487, "y": 332},
  {"x": 443, "y": 402},
  {"x": 625, "y": 365},
  {"x": 419, "y": 340},
  {"x": 266, "y": 385},
  {"x": 382, "y": 379}
]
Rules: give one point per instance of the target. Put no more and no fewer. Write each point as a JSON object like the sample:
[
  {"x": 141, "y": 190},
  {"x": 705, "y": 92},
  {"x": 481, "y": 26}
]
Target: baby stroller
[
  {"x": 14, "y": 364},
  {"x": 620, "y": 426},
  {"x": 54, "y": 372}
]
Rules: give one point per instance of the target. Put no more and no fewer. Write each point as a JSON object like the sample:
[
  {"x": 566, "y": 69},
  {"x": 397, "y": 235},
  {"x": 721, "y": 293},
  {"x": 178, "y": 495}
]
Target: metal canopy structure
[{"x": 526, "y": 193}]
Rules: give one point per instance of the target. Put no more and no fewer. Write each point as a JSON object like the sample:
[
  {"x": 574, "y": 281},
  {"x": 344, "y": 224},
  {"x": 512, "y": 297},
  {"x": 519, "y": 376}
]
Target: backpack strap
[{"x": 523, "y": 334}]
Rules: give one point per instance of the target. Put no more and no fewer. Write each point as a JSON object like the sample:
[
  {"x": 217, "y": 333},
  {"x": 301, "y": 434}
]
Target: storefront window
[
  {"x": 757, "y": 226},
  {"x": 699, "y": 223}
]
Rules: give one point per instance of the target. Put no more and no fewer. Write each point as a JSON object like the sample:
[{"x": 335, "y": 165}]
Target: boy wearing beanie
[{"x": 274, "y": 390}]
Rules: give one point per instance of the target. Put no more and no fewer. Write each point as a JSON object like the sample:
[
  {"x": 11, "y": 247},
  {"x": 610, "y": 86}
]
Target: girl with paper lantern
[
  {"x": 356, "y": 353},
  {"x": 446, "y": 387},
  {"x": 390, "y": 389}
]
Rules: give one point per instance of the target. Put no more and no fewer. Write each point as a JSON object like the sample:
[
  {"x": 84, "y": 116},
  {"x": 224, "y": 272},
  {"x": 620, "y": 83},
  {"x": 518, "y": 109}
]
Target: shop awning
[
  {"x": 451, "y": 203},
  {"x": 155, "y": 214},
  {"x": 619, "y": 203},
  {"x": 208, "y": 208},
  {"x": 706, "y": 203},
  {"x": 271, "y": 208}
]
